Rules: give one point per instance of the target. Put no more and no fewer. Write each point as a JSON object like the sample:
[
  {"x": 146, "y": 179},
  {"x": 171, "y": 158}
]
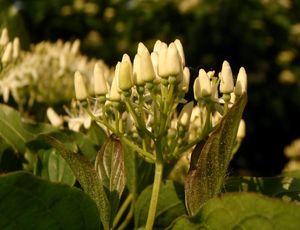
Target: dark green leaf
[
  {"x": 287, "y": 188},
  {"x": 205, "y": 179},
  {"x": 170, "y": 205},
  {"x": 110, "y": 167},
  {"x": 87, "y": 177},
  {"x": 242, "y": 211},
  {"x": 27, "y": 202}
]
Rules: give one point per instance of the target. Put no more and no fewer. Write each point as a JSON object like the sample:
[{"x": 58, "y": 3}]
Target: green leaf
[
  {"x": 242, "y": 211},
  {"x": 87, "y": 176},
  {"x": 15, "y": 132},
  {"x": 27, "y": 202},
  {"x": 287, "y": 188},
  {"x": 170, "y": 205},
  {"x": 54, "y": 168},
  {"x": 208, "y": 169},
  {"x": 12, "y": 129},
  {"x": 110, "y": 167}
]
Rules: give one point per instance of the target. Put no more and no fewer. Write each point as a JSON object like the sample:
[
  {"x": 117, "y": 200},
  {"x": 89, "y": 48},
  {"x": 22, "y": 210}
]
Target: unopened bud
[
  {"x": 54, "y": 118},
  {"x": 125, "y": 76},
  {"x": 226, "y": 84},
  {"x": 16, "y": 48},
  {"x": 140, "y": 48},
  {"x": 205, "y": 85},
  {"x": 80, "y": 89},
  {"x": 6, "y": 57},
  {"x": 196, "y": 88},
  {"x": 137, "y": 71},
  {"x": 241, "y": 130},
  {"x": 241, "y": 82},
  {"x": 185, "y": 80},
  {"x": 180, "y": 51},
  {"x": 4, "y": 39},
  {"x": 147, "y": 67},
  {"x": 100, "y": 84},
  {"x": 114, "y": 94},
  {"x": 75, "y": 47},
  {"x": 157, "y": 45},
  {"x": 162, "y": 57},
  {"x": 185, "y": 114},
  {"x": 173, "y": 61}
]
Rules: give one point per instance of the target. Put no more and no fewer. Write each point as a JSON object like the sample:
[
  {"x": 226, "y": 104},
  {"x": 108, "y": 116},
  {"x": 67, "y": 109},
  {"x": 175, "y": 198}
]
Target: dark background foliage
[{"x": 261, "y": 35}]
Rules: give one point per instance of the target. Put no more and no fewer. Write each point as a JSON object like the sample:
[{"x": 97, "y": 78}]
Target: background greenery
[{"x": 261, "y": 35}]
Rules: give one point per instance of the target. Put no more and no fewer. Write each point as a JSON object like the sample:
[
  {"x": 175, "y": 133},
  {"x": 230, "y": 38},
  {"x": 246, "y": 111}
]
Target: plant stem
[
  {"x": 154, "y": 196},
  {"x": 127, "y": 219},
  {"x": 122, "y": 210}
]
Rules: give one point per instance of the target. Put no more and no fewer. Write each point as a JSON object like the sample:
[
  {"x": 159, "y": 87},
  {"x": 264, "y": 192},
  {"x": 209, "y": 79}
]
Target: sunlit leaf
[
  {"x": 242, "y": 211},
  {"x": 208, "y": 169},
  {"x": 109, "y": 165}
]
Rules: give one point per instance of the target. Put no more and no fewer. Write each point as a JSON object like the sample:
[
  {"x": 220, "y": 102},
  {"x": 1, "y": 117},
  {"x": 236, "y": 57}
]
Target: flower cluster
[
  {"x": 140, "y": 103},
  {"x": 44, "y": 74}
]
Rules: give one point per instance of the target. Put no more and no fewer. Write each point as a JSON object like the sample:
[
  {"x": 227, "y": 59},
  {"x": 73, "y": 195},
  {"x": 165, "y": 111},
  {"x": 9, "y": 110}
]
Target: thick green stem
[{"x": 154, "y": 196}]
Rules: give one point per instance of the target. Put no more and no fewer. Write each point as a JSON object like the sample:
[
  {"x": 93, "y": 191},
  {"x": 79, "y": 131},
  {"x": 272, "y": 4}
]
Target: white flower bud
[
  {"x": 80, "y": 89},
  {"x": 114, "y": 94},
  {"x": 241, "y": 82},
  {"x": 196, "y": 87},
  {"x": 185, "y": 114},
  {"x": 137, "y": 74},
  {"x": 180, "y": 51},
  {"x": 147, "y": 67},
  {"x": 4, "y": 39},
  {"x": 205, "y": 84},
  {"x": 140, "y": 48},
  {"x": 75, "y": 47},
  {"x": 7, "y": 55},
  {"x": 185, "y": 80},
  {"x": 67, "y": 47},
  {"x": 16, "y": 48},
  {"x": 100, "y": 83},
  {"x": 226, "y": 84},
  {"x": 62, "y": 61},
  {"x": 173, "y": 61},
  {"x": 154, "y": 60},
  {"x": 162, "y": 64},
  {"x": 54, "y": 118},
  {"x": 125, "y": 76},
  {"x": 241, "y": 130},
  {"x": 157, "y": 45}
]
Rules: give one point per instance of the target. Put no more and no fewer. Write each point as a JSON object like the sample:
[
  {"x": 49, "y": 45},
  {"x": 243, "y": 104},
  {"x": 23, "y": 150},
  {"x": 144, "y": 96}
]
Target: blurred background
[{"x": 261, "y": 35}]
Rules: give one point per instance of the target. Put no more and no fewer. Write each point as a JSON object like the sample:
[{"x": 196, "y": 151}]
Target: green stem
[
  {"x": 122, "y": 210},
  {"x": 154, "y": 196},
  {"x": 127, "y": 219},
  {"x": 146, "y": 155}
]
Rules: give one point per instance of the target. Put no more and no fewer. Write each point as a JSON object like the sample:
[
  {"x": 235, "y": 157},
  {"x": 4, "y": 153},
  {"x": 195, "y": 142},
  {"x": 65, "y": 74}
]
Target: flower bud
[
  {"x": 180, "y": 51},
  {"x": 173, "y": 61},
  {"x": 147, "y": 67},
  {"x": 7, "y": 55},
  {"x": 196, "y": 87},
  {"x": 100, "y": 84},
  {"x": 140, "y": 48},
  {"x": 154, "y": 60},
  {"x": 16, "y": 48},
  {"x": 185, "y": 114},
  {"x": 241, "y": 82},
  {"x": 80, "y": 89},
  {"x": 226, "y": 85},
  {"x": 54, "y": 118},
  {"x": 75, "y": 47},
  {"x": 205, "y": 85},
  {"x": 125, "y": 76},
  {"x": 114, "y": 94},
  {"x": 241, "y": 130},
  {"x": 162, "y": 65},
  {"x": 185, "y": 80},
  {"x": 157, "y": 45},
  {"x": 137, "y": 71},
  {"x": 4, "y": 39}
]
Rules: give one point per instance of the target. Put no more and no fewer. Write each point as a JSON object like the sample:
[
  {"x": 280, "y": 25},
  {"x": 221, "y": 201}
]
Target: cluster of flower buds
[
  {"x": 140, "y": 103},
  {"x": 45, "y": 73}
]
